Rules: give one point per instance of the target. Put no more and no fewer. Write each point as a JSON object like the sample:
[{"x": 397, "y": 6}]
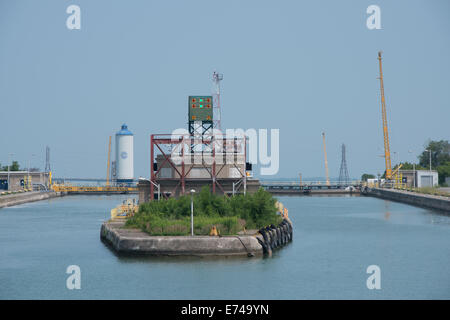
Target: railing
[
  {"x": 70, "y": 188},
  {"x": 308, "y": 183}
]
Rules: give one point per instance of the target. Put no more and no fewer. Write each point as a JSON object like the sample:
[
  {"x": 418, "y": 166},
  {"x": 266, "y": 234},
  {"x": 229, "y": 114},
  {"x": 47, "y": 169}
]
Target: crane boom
[
  {"x": 387, "y": 152},
  {"x": 109, "y": 161},
  {"x": 326, "y": 161}
]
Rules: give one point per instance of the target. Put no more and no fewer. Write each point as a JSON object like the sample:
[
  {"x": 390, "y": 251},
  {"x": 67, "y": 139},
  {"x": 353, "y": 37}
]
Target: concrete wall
[
  {"x": 16, "y": 177},
  {"x": 19, "y": 198},
  {"x": 137, "y": 242},
  {"x": 126, "y": 240},
  {"x": 416, "y": 199},
  {"x": 234, "y": 167}
]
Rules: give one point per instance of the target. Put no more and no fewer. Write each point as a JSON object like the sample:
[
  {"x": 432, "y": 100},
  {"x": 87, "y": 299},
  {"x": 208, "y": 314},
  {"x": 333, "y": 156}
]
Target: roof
[{"x": 124, "y": 131}]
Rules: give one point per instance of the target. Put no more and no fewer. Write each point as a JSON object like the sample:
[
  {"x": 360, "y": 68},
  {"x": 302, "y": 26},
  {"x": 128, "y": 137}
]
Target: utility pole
[
  {"x": 217, "y": 115},
  {"x": 9, "y": 161},
  {"x": 326, "y": 161},
  {"x": 192, "y": 212}
]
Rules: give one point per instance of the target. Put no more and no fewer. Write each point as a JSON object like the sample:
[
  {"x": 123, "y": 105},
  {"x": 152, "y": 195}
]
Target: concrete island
[
  {"x": 135, "y": 241},
  {"x": 245, "y": 225}
]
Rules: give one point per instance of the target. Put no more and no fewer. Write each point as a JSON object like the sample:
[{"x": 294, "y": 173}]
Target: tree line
[{"x": 440, "y": 161}]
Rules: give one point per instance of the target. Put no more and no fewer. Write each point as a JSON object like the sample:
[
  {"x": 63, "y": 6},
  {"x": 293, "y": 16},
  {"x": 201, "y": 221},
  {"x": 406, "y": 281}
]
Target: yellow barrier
[
  {"x": 127, "y": 209},
  {"x": 81, "y": 189}
]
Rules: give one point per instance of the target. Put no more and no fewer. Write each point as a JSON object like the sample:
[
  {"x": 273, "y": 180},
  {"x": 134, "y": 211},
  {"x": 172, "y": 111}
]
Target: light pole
[
  {"x": 9, "y": 161},
  {"x": 192, "y": 212},
  {"x": 30, "y": 182},
  {"x": 429, "y": 150},
  {"x": 414, "y": 170}
]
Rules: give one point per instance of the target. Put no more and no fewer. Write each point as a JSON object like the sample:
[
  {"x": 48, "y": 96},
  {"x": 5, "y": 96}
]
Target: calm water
[{"x": 336, "y": 238}]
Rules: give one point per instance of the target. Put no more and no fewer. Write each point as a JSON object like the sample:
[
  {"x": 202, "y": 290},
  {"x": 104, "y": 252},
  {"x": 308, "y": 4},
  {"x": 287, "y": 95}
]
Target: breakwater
[
  {"x": 134, "y": 241},
  {"x": 417, "y": 199},
  {"x": 20, "y": 198}
]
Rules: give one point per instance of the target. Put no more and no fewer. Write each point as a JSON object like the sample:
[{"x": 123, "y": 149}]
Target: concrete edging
[
  {"x": 20, "y": 198},
  {"x": 133, "y": 241},
  {"x": 420, "y": 200}
]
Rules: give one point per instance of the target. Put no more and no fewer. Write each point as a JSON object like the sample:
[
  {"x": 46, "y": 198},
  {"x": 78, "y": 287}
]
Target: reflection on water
[{"x": 335, "y": 239}]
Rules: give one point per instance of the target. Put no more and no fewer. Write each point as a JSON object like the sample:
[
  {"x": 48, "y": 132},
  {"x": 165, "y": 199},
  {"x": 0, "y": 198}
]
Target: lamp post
[
  {"x": 192, "y": 212},
  {"x": 414, "y": 170},
  {"x": 9, "y": 161},
  {"x": 429, "y": 150},
  {"x": 30, "y": 182}
]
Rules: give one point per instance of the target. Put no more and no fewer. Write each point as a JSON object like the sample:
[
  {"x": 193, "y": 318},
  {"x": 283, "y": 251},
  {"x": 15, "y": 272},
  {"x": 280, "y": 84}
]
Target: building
[
  {"x": 419, "y": 178},
  {"x": 179, "y": 168},
  {"x": 18, "y": 180}
]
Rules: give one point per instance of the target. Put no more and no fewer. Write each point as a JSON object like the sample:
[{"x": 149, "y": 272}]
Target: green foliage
[
  {"x": 13, "y": 167},
  {"x": 228, "y": 214},
  {"x": 366, "y": 176},
  {"x": 440, "y": 158},
  {"x": 440, "y": 154},
  {"x": 409, "y": 166},
  {"x": 443, "y": 172}
]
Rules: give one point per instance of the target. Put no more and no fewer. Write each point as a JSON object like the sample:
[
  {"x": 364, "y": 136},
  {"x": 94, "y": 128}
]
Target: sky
[{"x": 302, "y": 67}]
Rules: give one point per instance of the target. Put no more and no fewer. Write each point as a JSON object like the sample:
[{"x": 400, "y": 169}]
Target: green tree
[
  {"x": 443, "y": 172},
  {"x": 366, "y": 176},
  {"x": 440, "y": 154},
  {"x": 13, "y": 167}
]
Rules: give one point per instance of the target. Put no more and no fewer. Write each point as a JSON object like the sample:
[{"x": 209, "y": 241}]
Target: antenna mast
[
  {"x": 217, "y": 114},
  {"x": 326, "y": 161}
]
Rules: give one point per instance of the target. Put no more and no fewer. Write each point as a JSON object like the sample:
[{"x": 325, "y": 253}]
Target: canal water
[{"x": 335, "y": 240}]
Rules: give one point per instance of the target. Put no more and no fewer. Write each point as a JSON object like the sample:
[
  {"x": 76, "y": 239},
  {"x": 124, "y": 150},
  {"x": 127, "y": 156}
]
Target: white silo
[{"x": 124, "y": 156}]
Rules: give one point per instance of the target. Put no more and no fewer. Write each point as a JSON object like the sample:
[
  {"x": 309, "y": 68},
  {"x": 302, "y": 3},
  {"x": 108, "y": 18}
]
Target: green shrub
[{"x": 229, "y": 214}]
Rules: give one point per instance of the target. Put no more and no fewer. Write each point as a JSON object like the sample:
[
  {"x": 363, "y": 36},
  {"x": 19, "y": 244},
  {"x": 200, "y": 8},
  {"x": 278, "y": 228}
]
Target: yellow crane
[
  {"x": 109, "y": 161},
  {"x": 326, "y": 161},
  {"x": 387, "y": 152}
]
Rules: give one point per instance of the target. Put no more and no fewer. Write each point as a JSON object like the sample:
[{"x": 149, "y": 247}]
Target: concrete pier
[
  {"x": 134, "y": 241},
  {"x": 417, "y": 199},
  {"x": 20, "y": 198},
  {"x": 125, "y": 240}
]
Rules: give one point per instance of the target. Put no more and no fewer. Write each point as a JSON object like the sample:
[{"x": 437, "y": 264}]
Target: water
[{"x": 335, "y": 240}]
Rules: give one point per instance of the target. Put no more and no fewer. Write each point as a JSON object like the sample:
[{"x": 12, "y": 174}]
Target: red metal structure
[{"x": 169, "y": 145}]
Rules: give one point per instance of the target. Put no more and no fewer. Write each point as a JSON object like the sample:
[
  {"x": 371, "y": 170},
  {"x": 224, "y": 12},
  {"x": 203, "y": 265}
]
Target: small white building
[
  {"x": 420, "y": 178},
  {"x": 427, "y": 178}
]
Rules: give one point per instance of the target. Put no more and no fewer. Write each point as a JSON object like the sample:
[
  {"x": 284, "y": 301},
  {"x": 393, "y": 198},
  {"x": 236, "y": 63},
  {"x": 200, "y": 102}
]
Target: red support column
[
  {"x": 214, "y": 166},
  {"x": 152, "y": 173}
]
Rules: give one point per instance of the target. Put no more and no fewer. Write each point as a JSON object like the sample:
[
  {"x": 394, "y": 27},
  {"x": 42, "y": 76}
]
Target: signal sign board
[{"x": 200, "y": 108}]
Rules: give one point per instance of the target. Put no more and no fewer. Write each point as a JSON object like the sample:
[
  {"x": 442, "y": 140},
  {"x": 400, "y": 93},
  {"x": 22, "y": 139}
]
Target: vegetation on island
[{"x": 228, "y": 214}]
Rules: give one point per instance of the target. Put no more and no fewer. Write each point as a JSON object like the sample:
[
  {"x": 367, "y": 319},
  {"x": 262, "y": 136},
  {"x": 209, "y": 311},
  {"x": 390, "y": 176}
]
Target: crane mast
[
  {"x": 326, "y": 161},
  {"x": 387, "y": 152}
]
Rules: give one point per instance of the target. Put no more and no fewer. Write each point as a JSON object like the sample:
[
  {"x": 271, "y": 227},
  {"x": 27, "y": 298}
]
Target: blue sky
[{"x": 300, "y": 66}]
